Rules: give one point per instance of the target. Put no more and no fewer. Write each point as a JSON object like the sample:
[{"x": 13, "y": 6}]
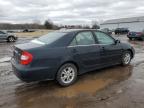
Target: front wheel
[
  {"x": 126, "y": 58},
  {"x": 11, "y": 39},
  {"x": 67, "y": 74}
]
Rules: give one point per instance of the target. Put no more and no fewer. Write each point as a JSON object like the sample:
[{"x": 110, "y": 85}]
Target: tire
[
  {"x": 126, "y": 58},
  {"x": 11, "y": 39},
  {"x": 142, "y": 38},
  {"x": 67, "y": 74},
  {"x": 130, "y": 38}
]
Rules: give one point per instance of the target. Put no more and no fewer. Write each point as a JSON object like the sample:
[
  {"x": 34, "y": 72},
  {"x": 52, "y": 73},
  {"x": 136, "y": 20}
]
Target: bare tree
[
  {"x": 48, "y": 24},
  {"x": 95, "y": 25}
]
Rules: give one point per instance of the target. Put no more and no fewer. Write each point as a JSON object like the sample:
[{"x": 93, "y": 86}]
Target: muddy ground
[{"x": 114, "y": 87}]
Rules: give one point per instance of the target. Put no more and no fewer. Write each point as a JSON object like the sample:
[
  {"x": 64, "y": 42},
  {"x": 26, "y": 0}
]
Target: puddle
[
  {"x": 49, "y": 94},
  {"x": 81, "y": 88},
  {"x": 139, "y": 58},
  {"x": 5, "y": 59},
  {"x": 4, "y": 64},
  {"x": 93, "y": 82}
]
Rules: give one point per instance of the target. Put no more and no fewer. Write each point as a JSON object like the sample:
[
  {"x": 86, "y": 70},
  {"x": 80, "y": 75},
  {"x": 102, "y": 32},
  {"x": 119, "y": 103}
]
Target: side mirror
[{"x": 117, "y": 41}]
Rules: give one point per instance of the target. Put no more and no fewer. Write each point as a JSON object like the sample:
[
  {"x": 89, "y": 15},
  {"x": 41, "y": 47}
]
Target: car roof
[
  {"x": 76, "y": 30},
  {"x": 2, "y": 31}
]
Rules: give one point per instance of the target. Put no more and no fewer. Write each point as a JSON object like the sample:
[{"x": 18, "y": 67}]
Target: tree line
[{"x": 47, "y": 25}]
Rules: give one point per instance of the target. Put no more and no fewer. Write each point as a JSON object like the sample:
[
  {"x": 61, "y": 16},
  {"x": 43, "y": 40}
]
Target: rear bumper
[{"x": 28, "y": 74}]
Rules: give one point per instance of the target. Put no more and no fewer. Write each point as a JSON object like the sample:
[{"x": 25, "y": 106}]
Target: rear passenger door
[
  {"x": 110, "y": 51},
  {"x": 85, "y": 51}
]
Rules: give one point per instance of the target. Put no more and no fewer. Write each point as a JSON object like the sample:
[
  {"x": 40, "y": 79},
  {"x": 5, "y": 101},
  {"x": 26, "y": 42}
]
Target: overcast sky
[{"x": 68, "y": 11}]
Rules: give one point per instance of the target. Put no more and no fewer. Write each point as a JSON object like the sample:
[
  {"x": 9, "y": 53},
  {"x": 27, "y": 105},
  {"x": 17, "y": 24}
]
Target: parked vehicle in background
[
  {"x": 63, "y": 55},
  {"x": 121, "y": 31},
  {"x": 107, "y": 31},
  {"x": 7, "y": 37},
  {"x": 27, "y": 30},
  {"x": 136, "y": 35}
]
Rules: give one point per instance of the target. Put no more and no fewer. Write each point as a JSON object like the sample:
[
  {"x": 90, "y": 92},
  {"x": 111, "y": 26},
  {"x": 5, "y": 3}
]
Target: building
[{"x": 133, "y": 24}]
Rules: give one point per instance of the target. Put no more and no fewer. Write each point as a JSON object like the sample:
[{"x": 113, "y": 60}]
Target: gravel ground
[{"x": 114, "y": 87}]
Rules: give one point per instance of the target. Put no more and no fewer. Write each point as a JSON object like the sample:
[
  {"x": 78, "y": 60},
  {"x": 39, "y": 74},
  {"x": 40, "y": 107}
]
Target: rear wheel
[
  {"x": 67, "y": 74},
  {"x": 126, "y": 58},
  {"x": 130, "y": 38},
  {"x": 11, "y": 39}
]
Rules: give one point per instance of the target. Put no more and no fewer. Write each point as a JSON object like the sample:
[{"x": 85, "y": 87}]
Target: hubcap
[
  {"x": 67, "y": 75},
  {"x": 11, "y": 39},
  {"x": 127, "y": 58}
]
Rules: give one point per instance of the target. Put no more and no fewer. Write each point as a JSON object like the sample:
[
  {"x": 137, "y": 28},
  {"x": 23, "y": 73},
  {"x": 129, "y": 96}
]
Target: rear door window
[{"x": 83, "y": 38}]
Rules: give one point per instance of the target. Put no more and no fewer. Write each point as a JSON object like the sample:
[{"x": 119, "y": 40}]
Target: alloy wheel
[
  {"x": 67, "y": 75},
  {"x": 127, "y": 58}
]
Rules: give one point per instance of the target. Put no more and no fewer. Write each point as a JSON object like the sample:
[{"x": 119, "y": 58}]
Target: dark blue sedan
[{"x": 63, "y": 55}]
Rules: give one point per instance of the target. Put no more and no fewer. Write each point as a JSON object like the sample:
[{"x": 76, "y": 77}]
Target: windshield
[{"x": 49, "y": 38}]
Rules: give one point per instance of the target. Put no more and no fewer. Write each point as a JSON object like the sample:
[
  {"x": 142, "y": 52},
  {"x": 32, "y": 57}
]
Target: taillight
[{"x": 26, "y": 58}]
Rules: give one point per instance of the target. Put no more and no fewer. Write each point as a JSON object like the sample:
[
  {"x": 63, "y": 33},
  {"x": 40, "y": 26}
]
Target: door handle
[
  {"x": 74, "y": 51},
  {"x": 103, "y": 48}
]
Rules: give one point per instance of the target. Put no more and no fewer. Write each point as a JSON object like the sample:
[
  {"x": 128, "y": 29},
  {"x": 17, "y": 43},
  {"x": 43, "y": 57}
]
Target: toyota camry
[{"x": 64, "y": 54}]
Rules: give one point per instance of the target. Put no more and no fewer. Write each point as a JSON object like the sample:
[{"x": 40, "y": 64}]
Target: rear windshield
[{"x": 50, "y": 37}]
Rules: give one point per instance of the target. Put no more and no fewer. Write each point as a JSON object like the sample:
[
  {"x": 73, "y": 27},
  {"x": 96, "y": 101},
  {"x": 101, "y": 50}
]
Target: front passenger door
[{"x": 110, "y": 51}]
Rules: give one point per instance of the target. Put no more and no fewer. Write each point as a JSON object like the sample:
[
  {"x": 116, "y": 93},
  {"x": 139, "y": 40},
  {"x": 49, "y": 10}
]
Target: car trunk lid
[{"x": 18, "y": 49}]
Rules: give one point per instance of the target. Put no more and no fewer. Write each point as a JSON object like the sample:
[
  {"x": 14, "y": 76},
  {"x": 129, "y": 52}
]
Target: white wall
[
  {"x": 110, "y": 26},
  {"x": 135, "y": 26}
]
